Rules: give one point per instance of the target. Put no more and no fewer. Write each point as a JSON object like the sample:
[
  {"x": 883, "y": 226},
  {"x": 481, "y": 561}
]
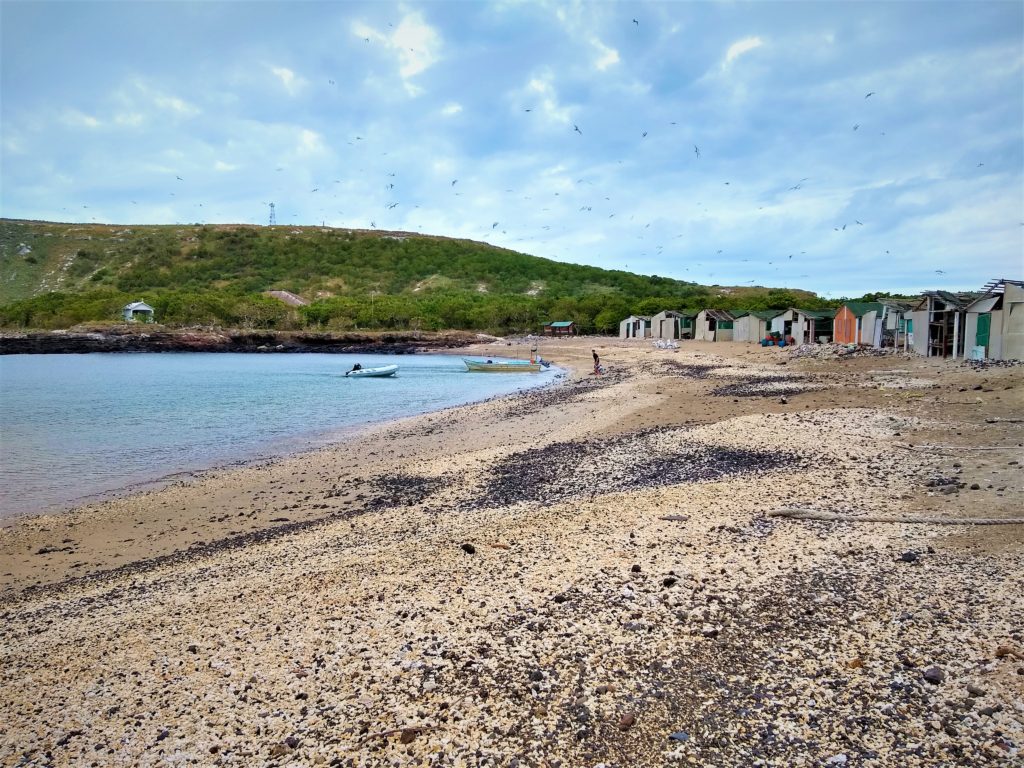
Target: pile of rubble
[{"x": 833, "y": 351}]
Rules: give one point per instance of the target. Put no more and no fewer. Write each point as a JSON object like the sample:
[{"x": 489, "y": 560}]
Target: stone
[
  {"x": 408, "y": 734},
  {"x": 909, "y": 557},
  {"x": 469, "y": 549},
  {"x": 679, "y": 736},
  {"x": 975, "y": 690},
  {"x": 934, "y": 675},
  {"x": 626, "y": 721}
]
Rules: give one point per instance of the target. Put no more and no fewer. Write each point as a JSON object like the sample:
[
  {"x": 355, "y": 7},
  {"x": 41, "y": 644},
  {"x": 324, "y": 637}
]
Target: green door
[{"x": 984, "y": 329}]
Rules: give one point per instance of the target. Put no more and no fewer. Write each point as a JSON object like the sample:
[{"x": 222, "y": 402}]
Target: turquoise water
[{"x": 77, "y": 426}]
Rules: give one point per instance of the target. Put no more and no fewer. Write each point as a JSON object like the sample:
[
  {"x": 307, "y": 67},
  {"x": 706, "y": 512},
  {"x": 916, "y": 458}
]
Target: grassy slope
[{"x": 36, "y": 257}]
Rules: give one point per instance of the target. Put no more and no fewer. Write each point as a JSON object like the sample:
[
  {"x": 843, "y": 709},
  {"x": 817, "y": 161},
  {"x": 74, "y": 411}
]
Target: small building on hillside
[
  {"x": 138, "y": 312},
  {"x": 752, "y": 326},
  {"x": 672, "y": 325},
  {"x": 635, "y": 327},
  {"x": 713, "y": 325},
  {"x": 560, "y": 328},
  {"x": 852, "y": 327},
  {"x": 937, "y": 321},
  {"x": 994, "y": 323}
]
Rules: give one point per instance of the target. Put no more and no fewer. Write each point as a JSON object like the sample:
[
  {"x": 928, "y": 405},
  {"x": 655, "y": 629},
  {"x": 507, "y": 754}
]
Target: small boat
[
  {"x": 502, "y": 366},
  {"x": 384, "y": 370}
]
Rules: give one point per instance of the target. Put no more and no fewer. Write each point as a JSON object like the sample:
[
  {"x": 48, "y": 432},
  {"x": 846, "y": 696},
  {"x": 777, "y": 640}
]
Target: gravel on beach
[{"x": 580, "y": 575}]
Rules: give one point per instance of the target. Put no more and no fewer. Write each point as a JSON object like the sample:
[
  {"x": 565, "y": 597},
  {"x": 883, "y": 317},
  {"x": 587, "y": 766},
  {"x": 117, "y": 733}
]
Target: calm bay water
[{"x": 75, "y": 426}]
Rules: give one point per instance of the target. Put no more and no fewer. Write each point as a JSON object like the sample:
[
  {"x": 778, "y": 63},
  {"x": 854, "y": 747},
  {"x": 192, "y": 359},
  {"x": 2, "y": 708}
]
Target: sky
[{"x": 837, "y": 147}]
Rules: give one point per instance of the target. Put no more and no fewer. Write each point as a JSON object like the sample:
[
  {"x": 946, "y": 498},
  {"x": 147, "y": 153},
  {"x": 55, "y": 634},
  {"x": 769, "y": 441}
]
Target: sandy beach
[{"x": 588, "y": 574}]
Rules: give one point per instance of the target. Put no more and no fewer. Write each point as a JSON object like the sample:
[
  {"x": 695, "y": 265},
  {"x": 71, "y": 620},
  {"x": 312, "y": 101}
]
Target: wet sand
[{"x": 576, "y": 575}]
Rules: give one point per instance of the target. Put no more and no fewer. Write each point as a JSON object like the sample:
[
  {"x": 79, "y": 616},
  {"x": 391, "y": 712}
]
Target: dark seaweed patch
[
  {"x": 691, "y": 370},
  {"x": 570, "y": 470}
]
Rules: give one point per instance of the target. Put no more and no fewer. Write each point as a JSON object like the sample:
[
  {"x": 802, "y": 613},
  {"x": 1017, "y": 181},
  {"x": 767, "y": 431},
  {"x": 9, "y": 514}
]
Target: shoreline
[
  {"x": 280, "y": 448},
  {"x": 568, "y": 575}
]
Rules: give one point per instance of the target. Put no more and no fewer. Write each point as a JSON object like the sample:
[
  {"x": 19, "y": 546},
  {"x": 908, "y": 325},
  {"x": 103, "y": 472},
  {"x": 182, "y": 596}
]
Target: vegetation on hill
[{"x": 59, "y": 275}]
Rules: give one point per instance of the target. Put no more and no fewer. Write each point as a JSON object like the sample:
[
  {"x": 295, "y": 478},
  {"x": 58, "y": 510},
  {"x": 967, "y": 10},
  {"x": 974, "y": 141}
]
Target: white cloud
[
  {"x": 78, "y": 119},
  {"x": 414, "y": 42},
  {"x": 548, "y": 104},
  {"x": 607, "y": 56},
  {"x": 129, "y": 118},
  {"x": 451, "y": 108},
  {"x": 310, "y": 142},
  {"x": 291, "y": 82},
  {"x": 220, "y": 165},
  {"x": 739, "y": 48}
]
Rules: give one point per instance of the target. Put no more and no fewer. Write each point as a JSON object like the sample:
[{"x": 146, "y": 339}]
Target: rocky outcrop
[{"x": 165, "y": 340}]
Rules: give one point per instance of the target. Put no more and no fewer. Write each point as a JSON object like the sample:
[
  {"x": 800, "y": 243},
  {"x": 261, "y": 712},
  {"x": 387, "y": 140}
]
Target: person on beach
[{"x": 597, "y": 361}]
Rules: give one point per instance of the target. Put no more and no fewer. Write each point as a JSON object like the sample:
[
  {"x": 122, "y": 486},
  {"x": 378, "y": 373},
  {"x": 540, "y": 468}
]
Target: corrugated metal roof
[
  {"x": 998, "y": 285},
  {"x": 958, "y": 300},
  {"x": 560, "y": 324},
  {"x": 719, "y": 315},
  {"x": 818, "y": 314},
  {"x": 861, "y": 308}
]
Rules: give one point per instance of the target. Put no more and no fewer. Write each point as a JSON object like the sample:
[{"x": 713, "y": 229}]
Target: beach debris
[{"x": 468, "y": 548}]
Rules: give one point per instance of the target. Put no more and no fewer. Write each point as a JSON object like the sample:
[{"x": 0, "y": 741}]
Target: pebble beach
[{"x": 588, "y": 574}]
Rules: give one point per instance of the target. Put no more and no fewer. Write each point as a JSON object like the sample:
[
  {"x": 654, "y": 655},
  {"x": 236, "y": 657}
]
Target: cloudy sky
[{"x": 836, "y": 147}]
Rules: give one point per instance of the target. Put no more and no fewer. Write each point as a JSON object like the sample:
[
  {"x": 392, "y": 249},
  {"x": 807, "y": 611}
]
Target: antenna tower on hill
[{"x": 273, "y": 216}]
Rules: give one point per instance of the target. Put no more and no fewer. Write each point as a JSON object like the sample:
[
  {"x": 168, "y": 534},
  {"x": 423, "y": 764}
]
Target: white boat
[
  {"x": 384, "y": 370},
  {"x": 502, "y": 366}
]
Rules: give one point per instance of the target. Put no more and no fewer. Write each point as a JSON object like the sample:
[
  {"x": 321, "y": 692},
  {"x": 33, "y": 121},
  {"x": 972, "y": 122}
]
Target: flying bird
[
  {"x": 179, "y": 178},
  {"x": 494, "y": 225},
  {"x": 856, "y": 126},
  {"x": 643, "y": 135},
  {"x": 696, "y": 149},
  {"x": 860, "y": 222},
  {"x": 870, "y": 94},
  {"x": 454, "y": 182},
  {"x": 939, "y": 272},
  {"x": 636, "y": 22},
  {"x": 577, "y": 129},
  {"x": 315, "y": 189}
]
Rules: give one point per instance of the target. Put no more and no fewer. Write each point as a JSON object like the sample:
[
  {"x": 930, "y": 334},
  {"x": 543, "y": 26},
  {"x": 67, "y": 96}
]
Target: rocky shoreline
[
  {"x": 585, "y": 575},
  {"x": 136, "y": 339}
]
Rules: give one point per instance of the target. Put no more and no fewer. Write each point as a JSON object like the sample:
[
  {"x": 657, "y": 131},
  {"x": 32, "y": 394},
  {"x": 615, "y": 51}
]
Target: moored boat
[
  {"x": 384, "y": 370},
  {"x": 502, "y": 366}
]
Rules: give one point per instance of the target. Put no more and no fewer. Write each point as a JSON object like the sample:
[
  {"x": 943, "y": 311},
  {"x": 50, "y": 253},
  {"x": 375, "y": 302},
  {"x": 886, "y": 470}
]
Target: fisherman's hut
[
  {"x": 714, "y": 325},
  {"x": 672, "y": 325},
  {"x": 855, "y": 323},
  {"x": 784, "y": 323},
  {"x": 560, "y": 328},
  {"x": 815, "y": 325},
  {"x": 752, "y": 326},
  {"x": 994, "y": 323},
  {"x": 937, "y": 323},
  {"x": 635, "y": 327},
  {"x": 137, "y": 312}
]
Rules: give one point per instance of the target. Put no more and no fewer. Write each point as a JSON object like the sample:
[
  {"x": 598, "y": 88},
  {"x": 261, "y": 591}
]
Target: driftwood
[
  {"x": 833, "y": 517},
  {"x": 936, "y": 448},
  {"x": 997, "y": 420}
]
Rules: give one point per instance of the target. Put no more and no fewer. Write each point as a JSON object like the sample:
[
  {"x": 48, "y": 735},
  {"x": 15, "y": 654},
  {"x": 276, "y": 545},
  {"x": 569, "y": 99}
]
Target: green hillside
[{"x": 56, "y": 275}]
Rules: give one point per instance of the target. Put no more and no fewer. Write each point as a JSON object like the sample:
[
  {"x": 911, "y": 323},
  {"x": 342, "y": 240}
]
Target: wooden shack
[
  {"x": 560, "y": 328},
  {"x": 714, "y": 325},
  {"x": 672, "y": 325}
]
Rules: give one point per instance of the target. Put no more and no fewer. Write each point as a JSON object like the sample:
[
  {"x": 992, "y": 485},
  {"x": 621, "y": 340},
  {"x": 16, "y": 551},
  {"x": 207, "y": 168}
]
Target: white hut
[
  {"x": 635, "y": 327},
  {"x": 672, "y": 325},
  {"x": 137, "y": 312},
  {"x": 994, "y": 324},
  {"x": 752, "y": 326},
  {"x": 713, "y": 325}
]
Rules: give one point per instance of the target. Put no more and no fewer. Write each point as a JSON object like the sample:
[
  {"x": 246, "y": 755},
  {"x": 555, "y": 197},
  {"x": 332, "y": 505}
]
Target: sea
[{"x": 74, "y": 428}]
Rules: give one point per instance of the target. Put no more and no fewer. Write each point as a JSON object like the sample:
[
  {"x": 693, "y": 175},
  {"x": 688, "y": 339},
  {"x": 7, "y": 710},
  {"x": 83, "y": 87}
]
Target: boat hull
[
  {"x": 373, "y": 373},
  {"x": 483, "y": 366}
]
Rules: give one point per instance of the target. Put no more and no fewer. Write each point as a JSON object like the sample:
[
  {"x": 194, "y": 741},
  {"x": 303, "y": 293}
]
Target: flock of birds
[{"x": 544, "y": 237}]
